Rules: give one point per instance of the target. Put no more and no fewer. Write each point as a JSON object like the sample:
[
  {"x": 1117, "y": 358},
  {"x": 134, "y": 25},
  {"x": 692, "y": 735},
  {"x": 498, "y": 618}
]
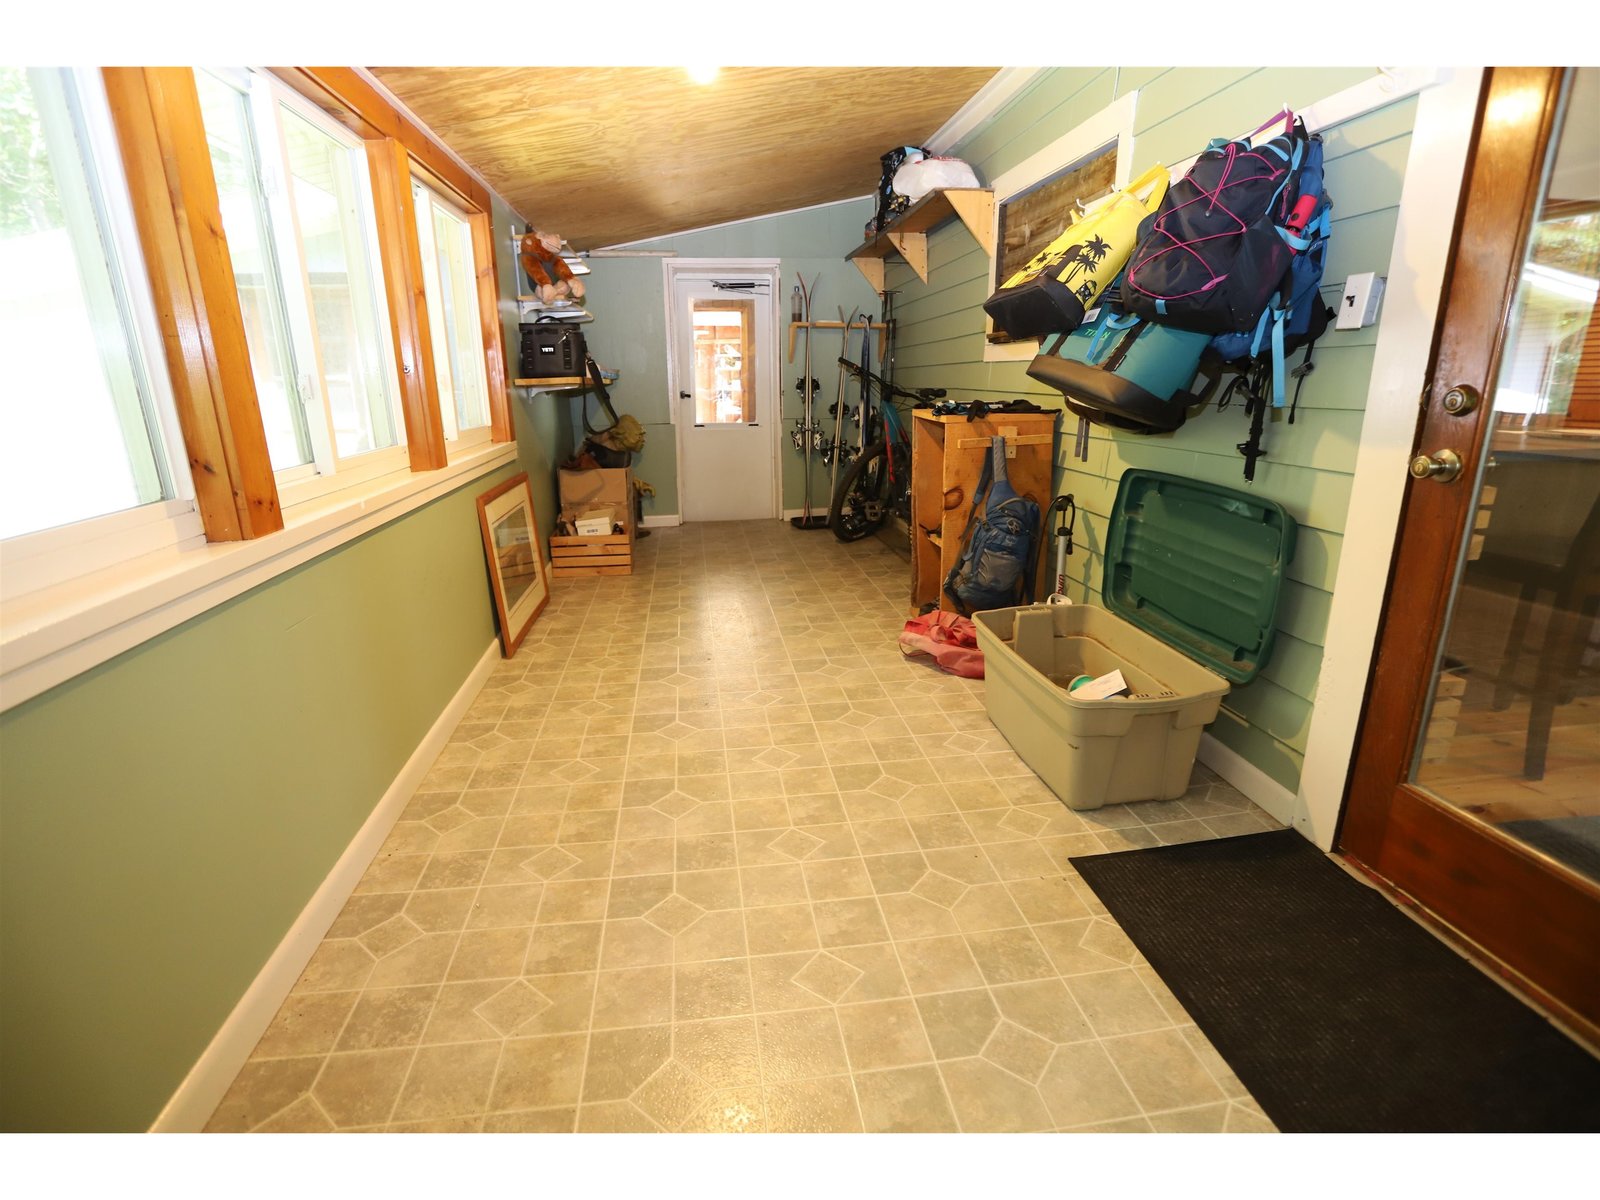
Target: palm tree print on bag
[{"x": 1087, "y": 257}]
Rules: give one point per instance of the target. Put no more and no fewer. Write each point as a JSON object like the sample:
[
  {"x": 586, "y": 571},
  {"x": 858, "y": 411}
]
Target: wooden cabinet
[{"x": 946, "y": 463}]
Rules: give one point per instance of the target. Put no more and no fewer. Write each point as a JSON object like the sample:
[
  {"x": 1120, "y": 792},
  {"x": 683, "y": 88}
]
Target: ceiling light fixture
[{"x": 702, "y": 74}]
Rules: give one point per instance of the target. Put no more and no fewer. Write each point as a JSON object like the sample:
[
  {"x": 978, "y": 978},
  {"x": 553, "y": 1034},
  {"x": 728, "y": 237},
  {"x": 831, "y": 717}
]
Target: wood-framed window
[{"x": 281, "y": 236}]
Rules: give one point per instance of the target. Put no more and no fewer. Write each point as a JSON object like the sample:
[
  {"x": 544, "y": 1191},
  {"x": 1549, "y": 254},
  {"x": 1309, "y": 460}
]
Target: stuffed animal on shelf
[{"x": 547, "y": 271}]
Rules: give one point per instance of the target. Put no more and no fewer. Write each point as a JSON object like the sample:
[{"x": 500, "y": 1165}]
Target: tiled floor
[{"x": 708, "y": 854}]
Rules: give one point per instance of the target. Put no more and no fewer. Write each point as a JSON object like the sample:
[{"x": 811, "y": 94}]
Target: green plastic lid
[{"x": 1199, "y": 566}]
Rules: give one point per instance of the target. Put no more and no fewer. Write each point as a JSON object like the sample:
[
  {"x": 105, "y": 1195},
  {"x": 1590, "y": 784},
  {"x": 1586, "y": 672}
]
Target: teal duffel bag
[{"x": 1120, "y": 371}]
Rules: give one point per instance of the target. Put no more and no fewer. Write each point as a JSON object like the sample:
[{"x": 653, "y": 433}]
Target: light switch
[{"x": 1362, "y": 295}]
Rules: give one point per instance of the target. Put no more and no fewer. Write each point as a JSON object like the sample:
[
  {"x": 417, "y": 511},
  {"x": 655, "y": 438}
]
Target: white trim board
[
  {"x": 604, "y": 251},
  {"x": 1003, "y": 87},
  {"x": 1440, "y": 141},
  {"x": 1257, "y": 786},
  {"x": 51, "y": 635},
  {"x": 662, "y": 521},
  {"x": 197, "y": 1097}
]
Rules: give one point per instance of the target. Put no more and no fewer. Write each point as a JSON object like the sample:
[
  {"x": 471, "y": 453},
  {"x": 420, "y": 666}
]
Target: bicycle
[{"x": 877, "y": 483}]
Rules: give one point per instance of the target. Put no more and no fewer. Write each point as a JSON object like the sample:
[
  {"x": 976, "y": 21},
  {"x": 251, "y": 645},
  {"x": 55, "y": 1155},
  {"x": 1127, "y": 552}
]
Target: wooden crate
[{"x": 574, "y": 557}]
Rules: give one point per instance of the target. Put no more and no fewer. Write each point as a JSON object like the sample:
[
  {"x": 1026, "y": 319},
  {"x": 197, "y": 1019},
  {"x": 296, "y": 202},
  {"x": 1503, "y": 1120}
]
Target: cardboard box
[
  {"x": 605, "y": 553},
  {"x": 583, "y": 490},
  {"x": 597, "y": 522}
]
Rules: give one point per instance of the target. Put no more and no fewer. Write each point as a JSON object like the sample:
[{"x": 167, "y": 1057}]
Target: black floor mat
[{"x": 1335, "y": 1009}]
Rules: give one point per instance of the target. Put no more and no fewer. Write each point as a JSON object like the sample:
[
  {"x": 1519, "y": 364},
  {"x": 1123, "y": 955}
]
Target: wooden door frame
[
  {"x": 672, "y": 269},
  {"x": 1474, "y": 880}
]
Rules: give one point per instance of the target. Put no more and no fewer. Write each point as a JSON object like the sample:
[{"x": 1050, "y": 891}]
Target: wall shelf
[
  {"x": 563, "y": 383},
  {"x": 794, "y": 326},
  {"x": 907, "y": 234}
]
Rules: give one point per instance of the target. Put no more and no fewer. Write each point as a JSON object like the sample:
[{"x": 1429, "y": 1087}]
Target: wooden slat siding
[
  {"x": 408, "y": 309},
  {"x": 157, "y": 115},
  {"x": 1309, "y": 464},
  {"x": 1583, "y": 411},
  {"x": 494, "y": 355}
]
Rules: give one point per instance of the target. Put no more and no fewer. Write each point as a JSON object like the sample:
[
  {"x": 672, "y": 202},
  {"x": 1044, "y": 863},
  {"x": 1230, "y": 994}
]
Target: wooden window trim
[
  {"x": 156, "y": 111},
  {"x": 408, "y": 308},
  {"x": 356, "y": 104}
]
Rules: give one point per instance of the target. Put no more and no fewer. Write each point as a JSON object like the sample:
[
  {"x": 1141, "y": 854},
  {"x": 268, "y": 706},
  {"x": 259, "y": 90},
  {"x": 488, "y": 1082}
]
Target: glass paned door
[
  {"x": 1511, "y": 732},
  {"x": 724, "y": 362}
]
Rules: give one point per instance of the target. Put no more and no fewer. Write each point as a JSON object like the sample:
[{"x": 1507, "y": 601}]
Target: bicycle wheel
[{"x": 861, "y": 503}]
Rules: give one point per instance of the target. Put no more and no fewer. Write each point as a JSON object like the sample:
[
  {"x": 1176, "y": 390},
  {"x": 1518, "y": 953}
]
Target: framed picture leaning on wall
[{"x": 517, "y": 575}]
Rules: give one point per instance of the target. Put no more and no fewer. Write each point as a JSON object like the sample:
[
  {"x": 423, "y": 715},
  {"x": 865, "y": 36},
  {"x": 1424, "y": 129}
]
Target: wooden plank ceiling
[{"x": 602, "y": 155}]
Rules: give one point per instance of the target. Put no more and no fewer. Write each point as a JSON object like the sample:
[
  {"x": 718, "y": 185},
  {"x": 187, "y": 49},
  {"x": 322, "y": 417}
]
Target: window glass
[
  {"x": 78, "y": 433},
  {"x": 333, "y": 212},
  {"x": 247, "y": 224},
  {"x": 452, "y": 297}
]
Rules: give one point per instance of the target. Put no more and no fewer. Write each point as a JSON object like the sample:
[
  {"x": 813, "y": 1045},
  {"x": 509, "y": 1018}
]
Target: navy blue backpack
[{"x": 995, "y": 569}]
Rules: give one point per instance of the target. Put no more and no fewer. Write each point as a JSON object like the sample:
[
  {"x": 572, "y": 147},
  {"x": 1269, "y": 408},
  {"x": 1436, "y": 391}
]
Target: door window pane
[
  {"x": 724, "y": 362},
  {"x": 346, "y": 289},
  {"x": 77, "y": 429},
  {"x": 1512, "y": 731}
]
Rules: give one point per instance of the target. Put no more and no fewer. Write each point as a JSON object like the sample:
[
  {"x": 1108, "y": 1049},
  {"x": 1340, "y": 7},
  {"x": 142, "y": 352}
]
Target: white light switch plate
[{"x": 1359, "y": 306}]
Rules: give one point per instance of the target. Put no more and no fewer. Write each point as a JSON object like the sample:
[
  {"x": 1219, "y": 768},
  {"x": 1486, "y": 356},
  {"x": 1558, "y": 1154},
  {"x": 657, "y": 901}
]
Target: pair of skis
[{"x": 808, "y": 435}]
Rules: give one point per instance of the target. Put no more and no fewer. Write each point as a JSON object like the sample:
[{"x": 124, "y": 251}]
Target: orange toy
[{"x": 552, "y": 279}]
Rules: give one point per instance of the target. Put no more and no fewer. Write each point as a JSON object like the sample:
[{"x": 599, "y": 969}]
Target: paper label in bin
[{"x": 1100, "y": 689}]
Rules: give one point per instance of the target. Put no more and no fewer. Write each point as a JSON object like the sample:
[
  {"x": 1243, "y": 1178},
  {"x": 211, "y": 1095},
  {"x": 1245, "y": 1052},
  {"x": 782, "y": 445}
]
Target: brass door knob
[{"x": 1442, "y": 466}]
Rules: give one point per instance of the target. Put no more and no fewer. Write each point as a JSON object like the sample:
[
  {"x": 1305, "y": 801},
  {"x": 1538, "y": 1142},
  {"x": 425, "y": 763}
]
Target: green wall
[
  {"x": 629, "y": 329},
  {"x": 166, "y": 816},
  {"x": 1310, "y": 464}
]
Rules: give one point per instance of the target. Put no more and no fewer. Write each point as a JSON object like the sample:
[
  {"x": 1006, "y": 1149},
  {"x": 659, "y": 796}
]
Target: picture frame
[{"x": 518, "y": 577}]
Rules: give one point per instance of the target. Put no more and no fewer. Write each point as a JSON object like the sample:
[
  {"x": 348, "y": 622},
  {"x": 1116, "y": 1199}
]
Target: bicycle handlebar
[{"x": 857, "y": 371}]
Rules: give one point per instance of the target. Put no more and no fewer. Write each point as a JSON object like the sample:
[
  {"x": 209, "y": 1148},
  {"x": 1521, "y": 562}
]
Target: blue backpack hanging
[
  {"x": 1294, "y": 317},
  {"x": 995, "y": 568}
]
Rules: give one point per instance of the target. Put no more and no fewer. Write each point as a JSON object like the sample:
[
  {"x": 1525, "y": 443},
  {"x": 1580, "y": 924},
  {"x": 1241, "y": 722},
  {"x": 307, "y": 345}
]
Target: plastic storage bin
[{"x": 1192, "y": 576}]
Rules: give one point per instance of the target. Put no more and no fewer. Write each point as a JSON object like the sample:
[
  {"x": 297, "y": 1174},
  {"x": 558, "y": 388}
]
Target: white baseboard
[
  {"x": 662, "y": 521},
  {"x": 1261, "y": 788},
  {"x": 208, "y": 1080}
]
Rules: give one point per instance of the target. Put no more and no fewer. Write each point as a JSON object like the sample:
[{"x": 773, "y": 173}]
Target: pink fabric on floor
[{"x": 950, "y": 639}]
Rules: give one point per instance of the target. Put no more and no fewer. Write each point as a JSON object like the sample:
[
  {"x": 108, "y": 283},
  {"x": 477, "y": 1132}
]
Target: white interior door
[{"x": 725, "y": 402}]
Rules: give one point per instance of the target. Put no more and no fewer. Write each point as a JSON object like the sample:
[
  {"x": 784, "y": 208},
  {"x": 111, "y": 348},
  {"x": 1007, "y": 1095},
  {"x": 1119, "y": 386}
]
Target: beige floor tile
[
  {"x": 706, "y": 990},
  {"x": 812, "y": 1106},
  {"x": 261, "y": 1090},
  {"x": 1117, "y": 1002},
  {"x": 904, "y": 1100},
  {"x": 800, "y": 1045},
  {"x": 362, "y": 1088},
  {"x": 542, "y": 1120},
  {"x": 1081, "y": 1085},
  {"x": 1009, "y": 955},
  {"x": 988, "y": 1099},
  {"x": 733, "y": 1110},
  {"x": 444, "y": 1081},
  {"x": 719, "y": 880},
  {"x": 1162, "y": 1070},
  {"x": 781, "y": 928},
  {"x": 539, "y": 1072},
  {"x": 619, "y": 1060},
  {"x": 635, "y": 996},
  {"x": 885, "y": 1033},
  {"x": 386, "y": 1018}
]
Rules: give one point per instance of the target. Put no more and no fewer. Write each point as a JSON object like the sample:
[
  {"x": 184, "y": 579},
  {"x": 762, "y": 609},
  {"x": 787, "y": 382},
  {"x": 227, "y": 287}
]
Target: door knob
[
  {"x": 683, "y": 395},
  {"x": 1441, "y": 467}
]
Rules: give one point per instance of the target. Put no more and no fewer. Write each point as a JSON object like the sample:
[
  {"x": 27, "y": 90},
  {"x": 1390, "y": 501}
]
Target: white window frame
[
  {"x": 327, "y": 471},
  {"x": 1111, "y": 127},
  {"x": 46, "y": 557},
  {"x": 455, "y": 439}
]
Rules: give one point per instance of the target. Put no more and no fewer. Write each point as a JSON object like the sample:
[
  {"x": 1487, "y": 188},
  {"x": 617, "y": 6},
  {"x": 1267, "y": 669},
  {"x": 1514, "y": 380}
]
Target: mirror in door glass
[
  {"x": 724, "y": 362},
  {"x": 1512, "y": 732}
]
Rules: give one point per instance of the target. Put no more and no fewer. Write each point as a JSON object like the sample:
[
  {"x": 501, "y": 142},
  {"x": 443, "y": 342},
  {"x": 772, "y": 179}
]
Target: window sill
[{"x": 49, "y": 636}]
